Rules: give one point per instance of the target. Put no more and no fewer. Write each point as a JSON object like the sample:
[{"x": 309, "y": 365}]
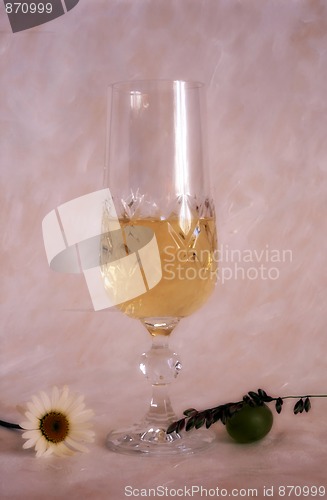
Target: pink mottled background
[{"x": 265, "y": 66}]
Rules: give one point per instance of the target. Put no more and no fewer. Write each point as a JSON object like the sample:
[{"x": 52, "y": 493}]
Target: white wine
[{"x": 187, "y": 264}]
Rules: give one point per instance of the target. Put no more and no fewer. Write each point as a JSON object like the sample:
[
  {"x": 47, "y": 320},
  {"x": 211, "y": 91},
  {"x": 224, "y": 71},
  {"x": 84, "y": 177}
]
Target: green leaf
[
  {"x": 264, "y": 396},
  {"x": 307, "y": 404},
  {"x": 279, "y": 404},
  {"x": 172, "y": 427},
  {"x": 199, "y": 420},
  {"x": 190, "y": 423},
  {"x": 262, "y": 393},
  {"x": 224, "y": 416},
  {"x": 181, "y": 425},
  {"x": 255, "y": 397},
  {"x": 190, "y": 412},
  {"x": 209, "y": 419},
  {"x": 234, "y": 408},
  {"x": 299, "y": 406},
  {"x": 216, "y": 415}
]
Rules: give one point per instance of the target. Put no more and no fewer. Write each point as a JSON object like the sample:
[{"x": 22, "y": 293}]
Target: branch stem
[
  {"x": 9, "y": 425},
  {"x": 303, "y": 397}
]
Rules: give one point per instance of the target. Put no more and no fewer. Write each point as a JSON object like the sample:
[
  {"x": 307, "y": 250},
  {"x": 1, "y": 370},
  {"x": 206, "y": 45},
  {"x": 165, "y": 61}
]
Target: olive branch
[{"x": 196, "y": 419}]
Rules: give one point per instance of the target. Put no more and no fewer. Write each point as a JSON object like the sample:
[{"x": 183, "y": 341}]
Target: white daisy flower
[{"x": 57, "y": 424}]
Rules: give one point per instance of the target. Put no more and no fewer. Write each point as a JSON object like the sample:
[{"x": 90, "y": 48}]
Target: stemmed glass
[{"x": 157, "y": 173}]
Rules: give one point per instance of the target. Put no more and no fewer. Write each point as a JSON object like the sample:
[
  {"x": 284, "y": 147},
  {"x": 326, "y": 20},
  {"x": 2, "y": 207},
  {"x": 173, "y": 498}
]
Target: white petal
[
  {"x": 83, "y": 427},
  {"x": 29, "y": 444},
  {"x": 78, "y": 434},
  {"x": 73, "y": 414},
  {"x": 87, "y": 429},
  {"x": 77, "y": 446},
  {"x": 32, "y": 418},
  {"x": 55, "y": 396},
  {"x": 40, "y": 454},
  {"x": 38, "y": 406},
  {"x": 48, "y": 452},
  {"x": 46, "y": 401},
  {"x": 31, "y": 435},
  {"x": 83, "y": 416},
  {"x": 34, "y": 410},
  {"x": 41, "y": 446},
  {"x": 83, "y": 436},
  {"x": 79, "y": 400},
  {"x": 63, "y": 396},
  {"x": 64, "y": 403},
  {"x": 29, "y": 426},
  {"x": 61, "y": 450},
  {"x": 65, "y": 389},
  {"x": 76, "y": 406}
]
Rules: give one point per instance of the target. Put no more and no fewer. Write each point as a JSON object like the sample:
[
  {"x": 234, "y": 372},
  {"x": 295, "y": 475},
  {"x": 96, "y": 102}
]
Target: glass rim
[{"x": 152, "y": 83}]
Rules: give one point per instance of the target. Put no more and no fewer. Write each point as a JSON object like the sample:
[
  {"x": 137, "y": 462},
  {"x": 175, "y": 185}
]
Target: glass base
[{"x": 151, "y": 441}]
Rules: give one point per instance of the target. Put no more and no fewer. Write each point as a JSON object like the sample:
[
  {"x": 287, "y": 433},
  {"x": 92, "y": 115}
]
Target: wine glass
[{"x": 157, "y": 174}]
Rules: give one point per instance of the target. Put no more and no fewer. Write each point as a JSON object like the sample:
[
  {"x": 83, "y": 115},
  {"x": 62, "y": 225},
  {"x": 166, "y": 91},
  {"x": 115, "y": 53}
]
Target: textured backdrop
[{"x": 265, "y": 66}]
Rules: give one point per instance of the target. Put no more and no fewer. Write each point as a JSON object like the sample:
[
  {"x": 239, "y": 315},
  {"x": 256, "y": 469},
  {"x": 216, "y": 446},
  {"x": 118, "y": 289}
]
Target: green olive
[{"x": 250, "y": 423}]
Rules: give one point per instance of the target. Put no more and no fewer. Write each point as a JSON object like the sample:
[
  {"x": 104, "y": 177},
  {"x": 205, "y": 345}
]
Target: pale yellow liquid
[{"x": 187, "y": 264}]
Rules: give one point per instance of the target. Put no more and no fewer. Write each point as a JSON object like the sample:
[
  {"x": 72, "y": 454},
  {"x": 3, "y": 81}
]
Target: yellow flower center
[{"x": 54, "y": 426}]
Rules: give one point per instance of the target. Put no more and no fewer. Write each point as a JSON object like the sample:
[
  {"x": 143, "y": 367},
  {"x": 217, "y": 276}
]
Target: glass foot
[
  {"x": 161, "y": 366},
  {"x": 156, "y": 442}
]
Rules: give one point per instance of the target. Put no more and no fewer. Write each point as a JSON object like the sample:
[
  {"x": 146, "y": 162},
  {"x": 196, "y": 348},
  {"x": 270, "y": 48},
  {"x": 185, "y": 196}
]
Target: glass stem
[
  {"x": 160, "y": 411},
  {"x": 160, "y": 365}
]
